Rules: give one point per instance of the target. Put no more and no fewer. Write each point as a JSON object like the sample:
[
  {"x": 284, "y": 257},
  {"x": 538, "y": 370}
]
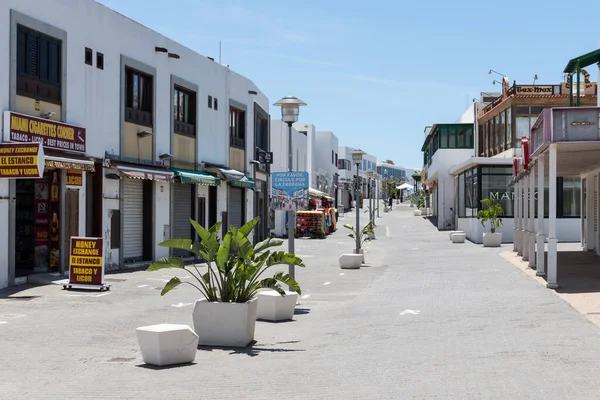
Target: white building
[
  {"x": 346, "y": 175},
  {"x": 325, "y": 151},
  {"x": 279, "y": 147},
  {"x": 151, "y": 133}
]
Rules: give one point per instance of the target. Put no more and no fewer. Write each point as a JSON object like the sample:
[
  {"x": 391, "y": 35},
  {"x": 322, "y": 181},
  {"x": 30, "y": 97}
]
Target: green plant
[
  {"x": 421, "y": 199},
  {"x": 235, "y": 267},
  {"x": 491, "y": 212},
  {"x": 363, "y": 234},
  {"x": 371, "y": 214}
]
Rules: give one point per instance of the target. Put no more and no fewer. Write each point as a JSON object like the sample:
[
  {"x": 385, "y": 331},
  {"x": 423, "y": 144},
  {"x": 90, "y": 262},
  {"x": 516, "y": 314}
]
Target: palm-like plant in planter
[
  {"x": 491, "y": 212},
  {"x": 227, "y": 314},
  {"x": 365, "y": 235}
]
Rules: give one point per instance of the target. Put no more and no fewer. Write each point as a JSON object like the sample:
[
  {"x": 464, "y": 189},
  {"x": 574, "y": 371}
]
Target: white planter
[
  {"x": 167, "y": 344},
  {"x": 274, "y": 307},
  {"x": 417, "y": 213},
  {"x": 452, "y": 233},
  {"x": 224, "y": 324},
  {"x": 371, "y": 236},
  {"x": 458, "y": 237},
  {"x": 492, "y": 239},
  {"x": 351, "y": 261}
]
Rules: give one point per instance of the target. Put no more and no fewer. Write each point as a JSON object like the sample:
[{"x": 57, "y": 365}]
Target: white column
[
  {"x": 552, "y": 275},
  {"x": 532, "y": 217},
  {"x": 516, "y": 216},
  {"x": 541, "y": 238},
  {"x": 525, "y": 226},
  {"x": 518, "y": 220}
]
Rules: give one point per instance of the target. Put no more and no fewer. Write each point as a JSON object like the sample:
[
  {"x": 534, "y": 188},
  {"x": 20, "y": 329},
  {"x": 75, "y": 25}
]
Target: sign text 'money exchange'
[
  {"x": 86, "y": 261},
  {"x": 19, "y": 161}
]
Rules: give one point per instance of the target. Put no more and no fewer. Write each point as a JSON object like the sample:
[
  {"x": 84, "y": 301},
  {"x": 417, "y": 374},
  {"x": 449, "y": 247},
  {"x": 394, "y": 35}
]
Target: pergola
[{"x": 575, "y": 65}]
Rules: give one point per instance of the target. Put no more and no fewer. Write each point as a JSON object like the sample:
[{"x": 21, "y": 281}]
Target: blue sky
[{"x": 376, "y": 73}]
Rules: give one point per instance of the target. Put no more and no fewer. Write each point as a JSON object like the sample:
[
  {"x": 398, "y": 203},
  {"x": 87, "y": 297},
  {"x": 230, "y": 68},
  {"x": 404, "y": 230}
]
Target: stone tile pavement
[{"x": 426, "y": 320}]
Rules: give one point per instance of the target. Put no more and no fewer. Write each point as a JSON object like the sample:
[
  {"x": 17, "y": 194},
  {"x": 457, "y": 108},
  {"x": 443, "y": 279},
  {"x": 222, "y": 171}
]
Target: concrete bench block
[
  {"x": 274, "y": 307},
  {"x": 418, "y": 213},
  {"x": 351, "y": 261},
  {"x": 167, "y": 344},
  {"x": 458, "y": 237}
]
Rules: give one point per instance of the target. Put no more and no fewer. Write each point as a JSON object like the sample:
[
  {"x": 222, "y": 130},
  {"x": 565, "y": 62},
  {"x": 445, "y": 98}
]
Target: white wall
[
  {"x": 162, "y": 201},
  {"x": 110, "y": 192},
  {"x": 311, "y": 131},
  {"x": 324, "y": 151},
  {"x": 468, "y": 117},
  {"x": 442, "y": 161},
  {"x": 93, "y": 96},
  {"x": 567, "y": 229}
]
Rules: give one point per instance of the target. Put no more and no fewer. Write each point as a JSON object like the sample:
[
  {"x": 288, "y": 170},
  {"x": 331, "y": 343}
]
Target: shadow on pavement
[
  {"x": 251, "y": 350},
  {"x": 157, "y": 368}
]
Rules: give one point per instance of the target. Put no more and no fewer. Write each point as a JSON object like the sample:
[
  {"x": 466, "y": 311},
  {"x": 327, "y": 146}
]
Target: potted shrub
[
  {"x": 226, "y": 316},
  {"x": 365, "y": 235},
  {"x": 491, "y": 213},
  {"x": 420, "y": 205}
]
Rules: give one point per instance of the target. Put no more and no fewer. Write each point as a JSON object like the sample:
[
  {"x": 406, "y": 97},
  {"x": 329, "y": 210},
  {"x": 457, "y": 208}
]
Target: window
[
  {"x": 571, "y": 196},
  {"x": 89, "y": 56},
  {"x": 509, "y": 134},
  {"x": 138, "y": 97},
  {"x": 38, "y": 65},
  {"x": 99, "y": 60},
  {"x": 184, "y": 111},
  {"x": 332, "y": 156},
  {"x": 237, "y": 128},
  {"x": 216, "y": 104},
  {"x": 210, "y": 101},
  {"x": 336, "y": 159}
]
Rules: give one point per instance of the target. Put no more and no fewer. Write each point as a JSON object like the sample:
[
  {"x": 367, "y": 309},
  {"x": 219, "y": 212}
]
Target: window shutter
[
  {"x": 32, "y": 63},
  {"x": 21, "y": 51},
  {"x": 43, "y": 59},
  {"x": 53, "y": 62}
]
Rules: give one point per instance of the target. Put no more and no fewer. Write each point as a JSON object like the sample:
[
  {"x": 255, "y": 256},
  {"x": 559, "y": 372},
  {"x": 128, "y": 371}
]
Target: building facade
[{"x": 140, "y": 135}]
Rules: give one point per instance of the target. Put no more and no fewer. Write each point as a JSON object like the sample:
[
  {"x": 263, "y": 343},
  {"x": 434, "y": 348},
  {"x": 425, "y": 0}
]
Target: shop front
[
  {"x": 187, "y": 203},
  {"x": 47, "y": 209}
]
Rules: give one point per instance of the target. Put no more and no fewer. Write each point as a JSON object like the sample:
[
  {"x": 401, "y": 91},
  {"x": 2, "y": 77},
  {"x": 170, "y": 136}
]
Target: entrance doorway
[
  {"x": 212, "y": 205},
  {"x": 38, "y": 224}
]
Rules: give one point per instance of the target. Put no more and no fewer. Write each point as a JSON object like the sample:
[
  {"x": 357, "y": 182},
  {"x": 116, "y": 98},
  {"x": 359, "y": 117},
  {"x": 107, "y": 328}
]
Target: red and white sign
[
  {"x": 55, "y": 135},
  {"x": 525, "y": 145}
]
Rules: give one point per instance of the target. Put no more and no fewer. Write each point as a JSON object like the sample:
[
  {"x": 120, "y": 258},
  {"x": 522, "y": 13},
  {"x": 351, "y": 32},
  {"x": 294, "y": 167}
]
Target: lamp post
[
  {"x": 370, "y": 176},
  {"x": 255, "y": 164},
  {"x": 377, "y": 191},
  {"x": 357, "y": 156},
  {"x": 290, "y": 109}
]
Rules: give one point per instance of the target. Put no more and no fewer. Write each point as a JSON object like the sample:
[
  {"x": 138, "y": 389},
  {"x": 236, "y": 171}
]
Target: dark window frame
[
  {"x": 184, "y": 111},
  {"x": 39, "y": 65},
  {"x": 99, "y": 60},
  {"x": 210, "y": 101},
  {"x": 89, "y": 56},
  {"x": 141, "y": 85},
  {"x": 237, "y": 128}
]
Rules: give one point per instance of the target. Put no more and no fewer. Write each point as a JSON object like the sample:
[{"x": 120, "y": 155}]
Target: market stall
[{"x": 311, "y": 224}]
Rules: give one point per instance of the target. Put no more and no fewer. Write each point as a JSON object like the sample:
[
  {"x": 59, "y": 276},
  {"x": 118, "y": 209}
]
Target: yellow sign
[
  {"x": 74, "y": 178},
  {"x": 21, "y": 160}
]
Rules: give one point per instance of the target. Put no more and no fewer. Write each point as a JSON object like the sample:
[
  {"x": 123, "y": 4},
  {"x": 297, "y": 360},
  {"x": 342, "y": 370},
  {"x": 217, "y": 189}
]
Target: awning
[
  {"x": 405, "y": 186},
  {"x": 246, "y": 183},
  {"x": 147, "y": 173},
  {"x": 317, "y": 193},
  {"x": 70, "y": 162},
  {"x": 225, "y": 173},
  {"x": 196, "y": 177}
]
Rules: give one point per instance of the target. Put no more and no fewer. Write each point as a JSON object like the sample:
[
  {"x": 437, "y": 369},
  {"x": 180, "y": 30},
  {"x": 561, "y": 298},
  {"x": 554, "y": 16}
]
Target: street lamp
[
  {"x": 377, "y": 191},
  {"x": 255, "y": 164},
  {"x": 357, "y": 156},
  {"x": 370, "y": 176},
  {"x": 290, "y": 109}
]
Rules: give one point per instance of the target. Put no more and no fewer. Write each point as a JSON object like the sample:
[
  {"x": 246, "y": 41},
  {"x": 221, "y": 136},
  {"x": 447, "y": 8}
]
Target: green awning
[
  {"x": 195, "y": 177},
  {"x": 582, "y": 61},
  {"x": 244, "y": 182}
]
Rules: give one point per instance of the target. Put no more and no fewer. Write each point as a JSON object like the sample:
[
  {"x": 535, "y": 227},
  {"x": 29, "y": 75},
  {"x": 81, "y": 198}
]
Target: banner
[
  {"x": 289, "y": 191},
  {"x": 21, "y": 160},
  {"x": 86, "y": 263}
]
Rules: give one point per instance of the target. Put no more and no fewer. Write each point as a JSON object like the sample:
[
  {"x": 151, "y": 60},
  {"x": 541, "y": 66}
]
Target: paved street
[{"x": 426, "y": 320}]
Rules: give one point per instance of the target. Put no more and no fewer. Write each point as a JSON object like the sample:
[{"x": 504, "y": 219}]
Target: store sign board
[
  {"x": 55, "y": 135},
  {"x": 74, "y": 178},
  {"x": 289, "y": 191},
  {"x": 21, "y": 160},
  {"x": 86, "y": 263}
]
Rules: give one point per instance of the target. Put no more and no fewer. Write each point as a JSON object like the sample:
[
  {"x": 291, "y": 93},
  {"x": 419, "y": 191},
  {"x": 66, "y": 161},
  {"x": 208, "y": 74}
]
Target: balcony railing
[
  {"x": 238, "y": 142},
  {"x": 565, "y": 124}
]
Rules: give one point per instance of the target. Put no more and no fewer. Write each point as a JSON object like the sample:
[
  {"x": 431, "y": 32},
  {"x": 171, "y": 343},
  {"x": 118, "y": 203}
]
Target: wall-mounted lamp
[
  {"x": 160, "y": 49},
  {"x": 535, "y": 78},
  {"x": 144, "y": 134},
  {"x": 498, "y": 82},
  {"x": 112, "y": 175},
  {"x": 496, "y": 72},
  {"x": 175, "y": 56},
  {"x": 165, "y": 156}
]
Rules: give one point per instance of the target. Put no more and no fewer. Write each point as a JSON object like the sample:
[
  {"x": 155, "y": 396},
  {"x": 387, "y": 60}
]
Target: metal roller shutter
[
  {"x": 182, "y": 212},
  {"x": 234, "y": 211},
  {"x": 133, "y": 218}
]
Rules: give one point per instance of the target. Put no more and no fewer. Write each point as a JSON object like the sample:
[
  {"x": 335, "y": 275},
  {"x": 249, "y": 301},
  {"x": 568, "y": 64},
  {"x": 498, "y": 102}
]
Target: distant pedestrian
[{"x": 390, "y": 202}]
